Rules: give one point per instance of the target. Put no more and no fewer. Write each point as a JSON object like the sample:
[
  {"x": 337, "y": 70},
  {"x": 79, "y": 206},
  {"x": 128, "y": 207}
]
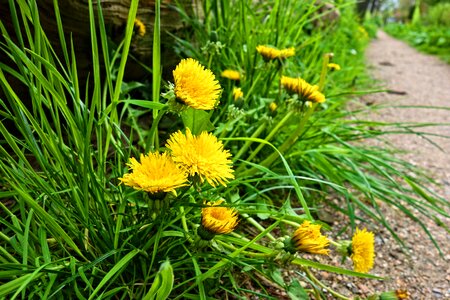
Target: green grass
[
  {"x": 432, "y": 39},
  {"x": 70, "y": 230}
]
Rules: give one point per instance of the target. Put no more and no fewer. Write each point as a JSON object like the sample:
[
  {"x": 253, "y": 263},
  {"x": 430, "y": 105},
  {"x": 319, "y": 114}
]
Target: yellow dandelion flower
[
  {"x": 237, "y": 93},
  {"x": 155, "y": 173},
  {"x": 334, "y": 66},
  {"x": 288, "y": 52},
  {"x": 201, "y": 155},
  {"x": 231, "y": 74},
  {"x": 139, "y": 27},
  {"x": 268, "y": 52},
  {"x": 362, "y": 32},
  {"x": 196, "y": 86},
  {"x": 363, "y": 252},
  {"x": 305, "y": 91},
  {"x": 218, "y": 219},
  {"x": 307, "y": 238},
  {"x": 273, "y": 106},
  {"x": 402, "y": 294}
]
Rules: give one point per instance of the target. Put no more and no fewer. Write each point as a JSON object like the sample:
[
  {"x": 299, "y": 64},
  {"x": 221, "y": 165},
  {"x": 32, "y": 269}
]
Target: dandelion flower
[
  {"x": 218, "y": 219},
  {"x": 155, "y": 173},
  {"x": 307, "y": 238},
  {"x": 334, "y": 66},
  {"x": 270, "y": 53},
  {"x": 201, "y": 155},
  {"x": 363, "y": 252},
  {"x": 196, "y": 86},
  {"x": 402, "y": 294},
  {"x": 231, "y": 74},
  {"x": 139, "y": 27},
  {"x": 288, "y": 52},
  {"x": 273, "y": 106},
  {"x": 305, "y": 91},
  {"x": 237, "y": 93}
]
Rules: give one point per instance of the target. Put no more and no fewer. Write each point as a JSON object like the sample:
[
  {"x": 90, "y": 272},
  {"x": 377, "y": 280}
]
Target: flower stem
[
  {"x": 271, "y": 134},
  {"x": 257, "y": 225},
  {"x": 323, "y": 73},
  {"x": 319, "y": 283},
  {"x": 153, "y": 141},
  {"x": 291, "y": 139},
  {"x": 248, "y": 143},
  {"x": 246, "y": 253}
]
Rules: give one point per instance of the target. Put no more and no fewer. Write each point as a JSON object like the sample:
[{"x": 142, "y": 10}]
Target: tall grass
[{"x": 69, "y": 229}]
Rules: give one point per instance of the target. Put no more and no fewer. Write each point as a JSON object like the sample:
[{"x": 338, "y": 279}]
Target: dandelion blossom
[
  {"x": 363, "y": 252},
  {"x": 307, "y": 238},
  {"x": 305, "y": 91},
  {"x": 201, "y": 155},
  {"x": 155, "y": 173},
  {"x": 270, "y": 53},
  {"x": 196, "y": 86},
  {"x": 139, "y": 27},
  {"x": 273, "y": 106},
  {"x": 237, "y": 93},
  {"x": 285, "y": 53},
  {"x": 334, "y": 66},
  {"x": 231, "y": 74},
  {"x": 218, "y": 219}
]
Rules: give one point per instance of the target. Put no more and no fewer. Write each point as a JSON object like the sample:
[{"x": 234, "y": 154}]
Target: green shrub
[{"x": 439, "y": 14}]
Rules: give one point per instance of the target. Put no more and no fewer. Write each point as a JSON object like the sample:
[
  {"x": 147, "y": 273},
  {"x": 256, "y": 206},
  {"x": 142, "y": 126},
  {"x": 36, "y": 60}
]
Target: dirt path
[
  {"x": 413, "y": 79},
  {"x": 416, "y": 79}
]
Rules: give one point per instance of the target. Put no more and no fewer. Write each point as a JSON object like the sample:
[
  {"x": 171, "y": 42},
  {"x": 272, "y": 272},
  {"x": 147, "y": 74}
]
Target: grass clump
[{"x": 219, "y": 190}]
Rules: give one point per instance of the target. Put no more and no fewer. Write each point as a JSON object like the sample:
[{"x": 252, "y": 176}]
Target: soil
[{"x": 411, "y": 79}]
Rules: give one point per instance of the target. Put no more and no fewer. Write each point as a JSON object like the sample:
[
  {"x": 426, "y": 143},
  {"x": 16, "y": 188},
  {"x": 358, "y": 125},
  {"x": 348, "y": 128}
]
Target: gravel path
[{"x": 415, "y": 79}]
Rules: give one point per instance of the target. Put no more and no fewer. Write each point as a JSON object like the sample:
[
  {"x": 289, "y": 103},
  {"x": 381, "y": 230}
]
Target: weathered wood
[{"x": 75, "y": 19}]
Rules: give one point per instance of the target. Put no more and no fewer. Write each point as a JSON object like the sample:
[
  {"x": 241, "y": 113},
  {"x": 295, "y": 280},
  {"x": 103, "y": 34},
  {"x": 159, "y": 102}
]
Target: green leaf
[
  {"x": 144, "y": 103},
  {"x": 115, "y": 270},
  {"x": 163, "y": 283},
  {"x": 196, "y": 120},
  {"x": 296, "y": 292}
]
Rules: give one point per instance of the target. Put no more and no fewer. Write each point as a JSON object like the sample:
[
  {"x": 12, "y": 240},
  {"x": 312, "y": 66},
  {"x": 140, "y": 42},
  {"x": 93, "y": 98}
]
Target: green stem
[
  {"x": 291, "y": 139},
  {"x": 154, "y": 131},
  {"x": 319, "y": 283},
  {"x": 248, "y": 143},
  {"x": 184, "y": 224},
  {"x": 246, "y": 253},
  {"x": 271, "y": 134},
  {"x": 323, "y": 73},
  {"x": 257, "y": 225}
]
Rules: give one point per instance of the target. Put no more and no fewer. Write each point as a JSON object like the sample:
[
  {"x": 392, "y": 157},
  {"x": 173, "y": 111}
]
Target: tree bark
[{"x": 75, "y": 20}]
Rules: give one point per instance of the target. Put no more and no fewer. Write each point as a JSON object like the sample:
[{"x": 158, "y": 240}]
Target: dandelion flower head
[
  {"x": 218, "y": 219},
  {"x": 237, "y": 93},
  {"x": 307, "y": 238},
  {"x": 305, "y": 91},
  {"x": 363, "y": 252},
  {"x": 155, "y": 173},
  {"x": 196, "y": 86},
  {"x": 288, "y": 52},
  {"x": 270, "y": 53},
  {"x": 139, "y": 27},
  {"x": 231, "y": 74},
  {"x": 201, "y": 155},
  {"x": 334, "y": 66},
  {"x": 273, "y": 106}
]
